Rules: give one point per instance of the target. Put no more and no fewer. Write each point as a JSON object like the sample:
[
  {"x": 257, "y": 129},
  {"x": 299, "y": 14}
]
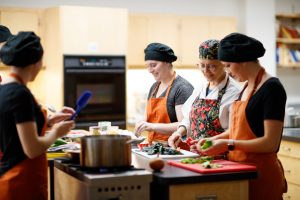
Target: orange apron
[
  {"x": 157, "y": 113},
  {"x": 270, "y": 183},
  {"x": 27, "y": 180}
]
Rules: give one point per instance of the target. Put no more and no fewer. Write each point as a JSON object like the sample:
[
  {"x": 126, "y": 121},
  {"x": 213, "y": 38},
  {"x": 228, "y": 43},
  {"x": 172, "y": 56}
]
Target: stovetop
[{"x": 75, "y": 170}]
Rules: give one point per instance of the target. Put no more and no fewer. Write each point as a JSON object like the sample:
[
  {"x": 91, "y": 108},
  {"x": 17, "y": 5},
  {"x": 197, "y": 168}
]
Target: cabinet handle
[{"x": 207, "y": 197}]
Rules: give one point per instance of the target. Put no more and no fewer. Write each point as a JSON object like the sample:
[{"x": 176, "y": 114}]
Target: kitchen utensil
[
  {"x": 81, "y": 102},
  {"x": 226, "y": 166},
  {"x": 185, "y": 154},
  {"x": 105, "y": 151},
  {"x": 136, "y": 141}
]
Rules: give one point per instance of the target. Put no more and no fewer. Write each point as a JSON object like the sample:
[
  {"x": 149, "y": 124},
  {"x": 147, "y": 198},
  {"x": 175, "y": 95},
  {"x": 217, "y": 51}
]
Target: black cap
[
  {"x": 159, "y": 52},
  {"x": 22, "y": 50},
  {"x": 237, "y": 47},
  {"x": 4, "y": 33}
]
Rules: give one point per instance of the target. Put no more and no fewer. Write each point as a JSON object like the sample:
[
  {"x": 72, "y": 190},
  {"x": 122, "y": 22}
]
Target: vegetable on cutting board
[
  {"x": 58, "y": 142},
  {"x": 206, "y": 144}
]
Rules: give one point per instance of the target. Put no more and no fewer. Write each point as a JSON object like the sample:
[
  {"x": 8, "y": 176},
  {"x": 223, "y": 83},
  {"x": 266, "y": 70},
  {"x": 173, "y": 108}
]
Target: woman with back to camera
[
  {"x": 166, "y": 96},
  {"x": 23, "y": 163},
  {"x": 206, "y": 112},
  {"x": 257, "y": 118}
]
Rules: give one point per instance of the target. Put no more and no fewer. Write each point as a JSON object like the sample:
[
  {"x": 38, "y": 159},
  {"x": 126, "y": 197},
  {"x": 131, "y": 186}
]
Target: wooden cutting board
[{"x": 227, "y": 166}]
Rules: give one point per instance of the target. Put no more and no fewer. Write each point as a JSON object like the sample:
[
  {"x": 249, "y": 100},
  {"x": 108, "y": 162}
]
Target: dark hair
[
  {"x": 22, "y": 50},
  {"x": 159, "y": 52}
]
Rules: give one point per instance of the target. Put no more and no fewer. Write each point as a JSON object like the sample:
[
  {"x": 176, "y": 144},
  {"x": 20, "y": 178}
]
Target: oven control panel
[{"x": 94, "y": 61}]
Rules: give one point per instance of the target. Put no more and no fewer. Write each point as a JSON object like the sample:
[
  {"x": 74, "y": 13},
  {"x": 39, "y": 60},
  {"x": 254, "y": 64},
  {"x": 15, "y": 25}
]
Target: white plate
[{"x": 185, "y": 154}]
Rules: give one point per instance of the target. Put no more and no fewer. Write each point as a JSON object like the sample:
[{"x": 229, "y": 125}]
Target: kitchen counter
[
  {"x": 291, "y": 134},
  {"x": 174, "y": 179}
]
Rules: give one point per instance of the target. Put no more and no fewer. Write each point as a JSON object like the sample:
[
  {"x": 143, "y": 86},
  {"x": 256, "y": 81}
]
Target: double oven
[{"x": 105, "y": 77}]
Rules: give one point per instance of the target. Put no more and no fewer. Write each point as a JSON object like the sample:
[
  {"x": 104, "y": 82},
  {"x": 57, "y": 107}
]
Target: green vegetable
[
  {"x": 58, "y": 142},
  {"x": 159, "y": 148},
  {"x": 207, "y": 165},
  {"x": 207, "y": 144},
  {"x": 196, "y": 160}
]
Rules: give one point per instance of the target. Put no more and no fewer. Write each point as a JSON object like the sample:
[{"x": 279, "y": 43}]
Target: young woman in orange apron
[
  {"x": 257, "y": 117},
  {"x": 268, "y": 166},
  {"x": 166, "y": 95},
  {"x": 23, "y": 163}
]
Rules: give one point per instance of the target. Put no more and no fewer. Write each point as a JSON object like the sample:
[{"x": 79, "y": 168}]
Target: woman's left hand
[
  {"x": 64, "y": 114},
  {"x": 219, "y": 146}
]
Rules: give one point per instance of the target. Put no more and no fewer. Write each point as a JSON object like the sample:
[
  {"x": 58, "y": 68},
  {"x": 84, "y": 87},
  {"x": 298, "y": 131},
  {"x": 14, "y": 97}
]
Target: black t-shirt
[
  {"x": 17, "y": 105},
  {"x": 180, "y": 91},
  {"x": 267, "y": 103}
]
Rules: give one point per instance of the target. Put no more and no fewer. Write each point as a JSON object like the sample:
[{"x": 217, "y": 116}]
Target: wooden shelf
[
  {"x": 289, "y": 65},
  {"x": 291, "y": 16},
  {"x": 288, "y": 40}
]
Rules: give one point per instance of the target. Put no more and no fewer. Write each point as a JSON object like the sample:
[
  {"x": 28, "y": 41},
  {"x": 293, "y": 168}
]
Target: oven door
[{"x": 108, "y": 95}]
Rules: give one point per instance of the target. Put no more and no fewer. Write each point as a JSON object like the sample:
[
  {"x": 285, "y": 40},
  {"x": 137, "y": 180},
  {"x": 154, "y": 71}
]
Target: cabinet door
[
  {"x": 137, "y": 39},
  {"x": 145, "y": 29},
  {"x": 89, "y": 30},
  {"x": 164, "y": 29},
  {"x": 219, "y": 27},
  {"x": 194, "y": 30},
  {"x": 18, "y": 20}
]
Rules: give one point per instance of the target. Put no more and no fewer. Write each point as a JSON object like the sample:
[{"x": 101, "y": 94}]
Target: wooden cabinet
[
  {"x": 228, "y": 190},
  {"x": 182, "y": 33},
  {"x": 289, "y": 155},
  {"x": 145, "y": 29},
  {"x": 93, "y": 30},
  {"x": 288, "y": 40},
  {"x": 21, "y": 19},
  {"x": 80, "y": 31}
]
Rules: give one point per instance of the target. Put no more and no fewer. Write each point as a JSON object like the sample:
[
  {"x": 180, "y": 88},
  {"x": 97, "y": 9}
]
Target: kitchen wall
[{"x": 255, "y": 17}]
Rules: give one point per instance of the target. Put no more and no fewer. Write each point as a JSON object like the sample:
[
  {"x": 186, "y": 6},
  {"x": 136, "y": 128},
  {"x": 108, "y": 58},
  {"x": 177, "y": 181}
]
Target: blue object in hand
[{"x": 81, "y": 102}]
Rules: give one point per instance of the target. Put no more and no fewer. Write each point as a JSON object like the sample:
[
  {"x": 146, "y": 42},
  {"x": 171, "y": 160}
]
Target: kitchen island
[{"x": 172, "y": 183}]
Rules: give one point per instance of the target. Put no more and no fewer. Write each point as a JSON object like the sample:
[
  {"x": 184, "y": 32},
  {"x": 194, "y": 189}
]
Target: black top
[
  {"x": 17, "y": 105},
  {"x": 180, "y": 91},
  {"x": 267, "y": 103}
]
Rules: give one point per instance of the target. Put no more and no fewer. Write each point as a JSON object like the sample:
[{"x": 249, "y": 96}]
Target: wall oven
[{"x": 105, "y": 77}]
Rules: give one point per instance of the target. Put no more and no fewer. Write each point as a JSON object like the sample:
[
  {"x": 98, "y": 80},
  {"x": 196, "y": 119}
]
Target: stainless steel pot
[{"x": 105, "y": 151}]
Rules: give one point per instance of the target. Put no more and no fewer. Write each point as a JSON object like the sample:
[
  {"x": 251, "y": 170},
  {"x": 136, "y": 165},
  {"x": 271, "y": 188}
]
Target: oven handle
[{"x": 103, "y": 71}]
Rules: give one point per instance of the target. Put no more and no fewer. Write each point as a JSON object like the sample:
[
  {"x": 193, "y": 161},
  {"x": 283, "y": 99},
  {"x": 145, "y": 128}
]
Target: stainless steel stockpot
[{"x": 105, "y": 151}]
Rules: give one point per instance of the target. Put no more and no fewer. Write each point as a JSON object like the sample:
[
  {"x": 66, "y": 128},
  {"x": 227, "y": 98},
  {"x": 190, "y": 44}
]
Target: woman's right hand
[
  {"x": 174, "y": 140},
  {"x": 62, "y": 128}
]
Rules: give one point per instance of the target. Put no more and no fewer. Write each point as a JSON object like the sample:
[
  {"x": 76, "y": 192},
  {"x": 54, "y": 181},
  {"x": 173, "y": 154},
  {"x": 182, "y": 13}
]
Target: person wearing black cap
[
  {"x": 23, "y": 163},
  {"x": 5, "y": 34},
  {"x": 166, "y": 96},
  {"x": 257, "y": 118},
  {"x": 206, "y": 112}
]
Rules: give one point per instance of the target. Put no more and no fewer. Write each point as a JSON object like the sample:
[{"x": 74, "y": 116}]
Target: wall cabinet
[
  {"x": 288, "y": 40},
  {"x": 21, "y": 19},
  {"x": 289, "y": 155},
  {"x": 80, "y": 31},
  {"x": 182, "y": 33}
]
